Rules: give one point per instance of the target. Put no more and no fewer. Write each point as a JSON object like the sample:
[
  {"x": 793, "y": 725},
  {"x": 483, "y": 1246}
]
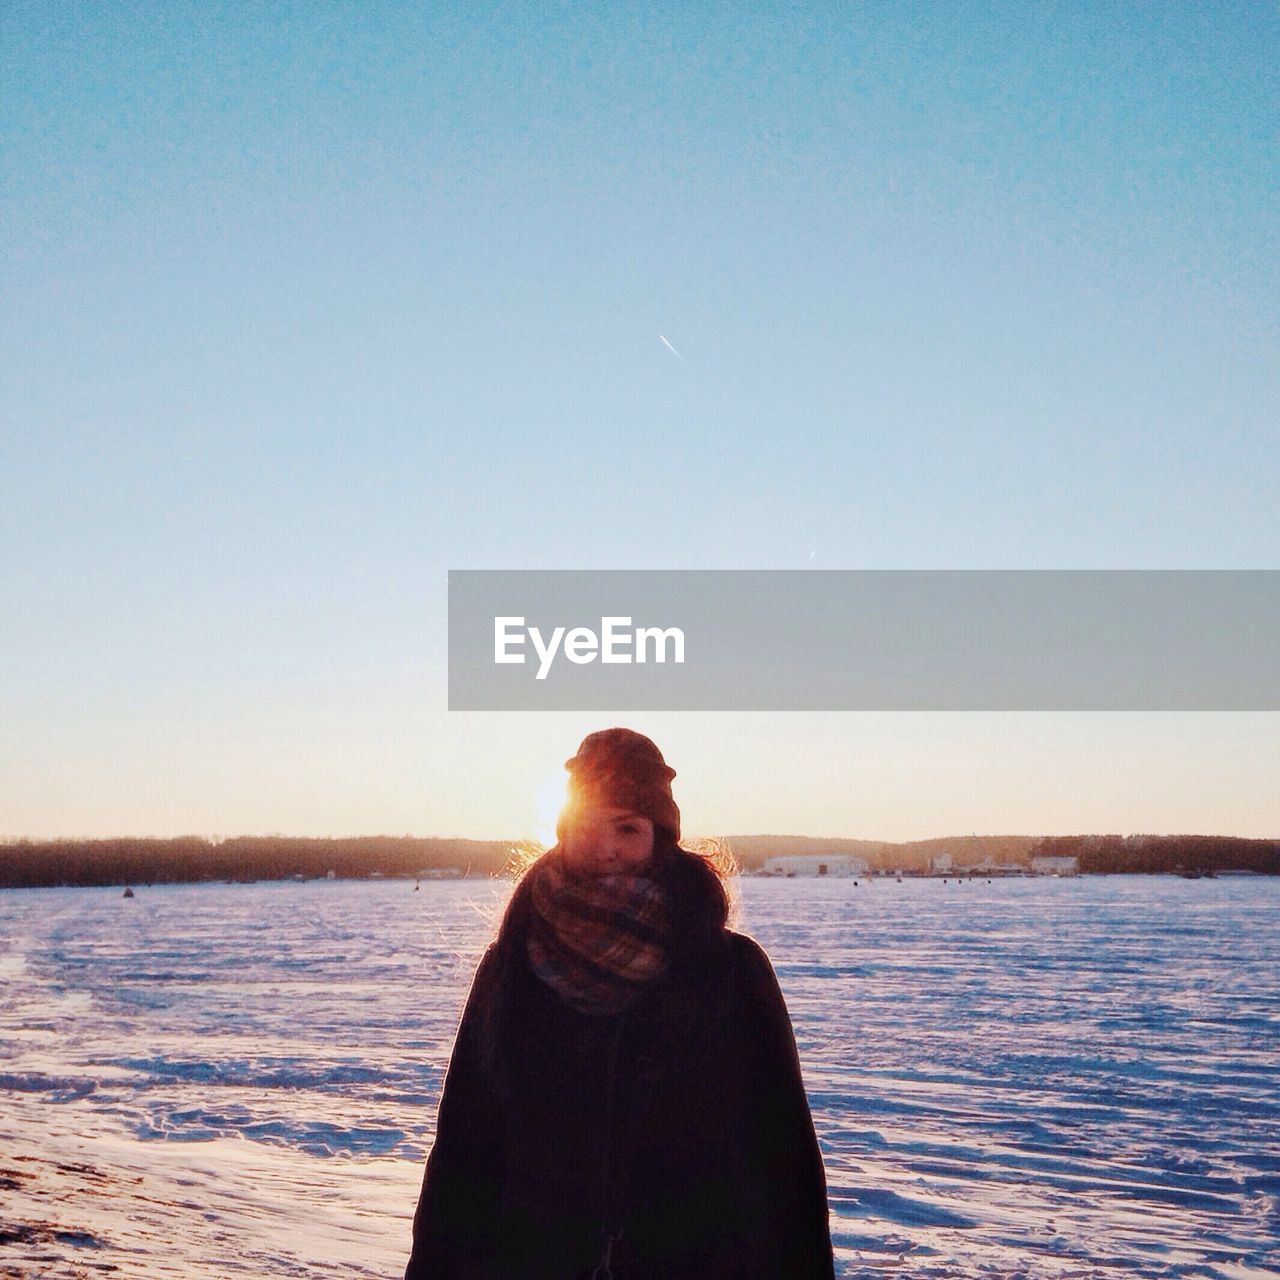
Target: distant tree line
[
  {"x": 186, "y": 859},
  {"x": 129, "y": 860},
  {"x": 1153, "y": 855}
]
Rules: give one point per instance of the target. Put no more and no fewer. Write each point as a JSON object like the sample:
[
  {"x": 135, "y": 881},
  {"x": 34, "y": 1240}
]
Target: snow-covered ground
[{"x": 1039, "y": 1078}]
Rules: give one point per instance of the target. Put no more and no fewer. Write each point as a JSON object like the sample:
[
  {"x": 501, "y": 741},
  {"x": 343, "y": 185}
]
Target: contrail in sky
[{"x": 670, "y": 348}]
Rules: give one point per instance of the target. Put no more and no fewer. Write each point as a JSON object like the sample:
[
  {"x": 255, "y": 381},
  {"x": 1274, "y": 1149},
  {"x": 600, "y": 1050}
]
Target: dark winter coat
[{"x": 683, "y": 1121}]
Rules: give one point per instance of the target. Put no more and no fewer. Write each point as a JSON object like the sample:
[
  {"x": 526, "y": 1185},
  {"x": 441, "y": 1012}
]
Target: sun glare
[{"x": 552, "y": 794}]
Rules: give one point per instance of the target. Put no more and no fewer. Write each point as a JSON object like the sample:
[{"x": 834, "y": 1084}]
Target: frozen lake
[{"x": 1039, "y": 1078}]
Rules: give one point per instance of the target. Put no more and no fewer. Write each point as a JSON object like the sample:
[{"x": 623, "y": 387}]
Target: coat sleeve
[
  {"x": 782, "y": 1160},
  {"x": 454, "y": 1225}
]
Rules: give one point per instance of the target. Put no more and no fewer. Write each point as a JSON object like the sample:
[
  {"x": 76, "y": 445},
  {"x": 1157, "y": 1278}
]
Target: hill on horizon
[{"x": 187, "y": 859}]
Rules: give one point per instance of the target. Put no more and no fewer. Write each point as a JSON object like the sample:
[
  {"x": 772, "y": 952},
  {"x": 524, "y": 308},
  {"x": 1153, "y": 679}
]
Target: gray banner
[{"x": 865, "y": 640}]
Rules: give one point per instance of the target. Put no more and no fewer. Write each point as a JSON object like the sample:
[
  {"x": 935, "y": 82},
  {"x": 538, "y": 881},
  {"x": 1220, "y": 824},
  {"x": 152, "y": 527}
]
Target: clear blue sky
[{"x": 306, "y": 304}]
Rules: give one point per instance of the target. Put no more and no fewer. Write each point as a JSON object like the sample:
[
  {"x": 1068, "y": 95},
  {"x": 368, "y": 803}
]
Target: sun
[{"x": 551, "y": 796}]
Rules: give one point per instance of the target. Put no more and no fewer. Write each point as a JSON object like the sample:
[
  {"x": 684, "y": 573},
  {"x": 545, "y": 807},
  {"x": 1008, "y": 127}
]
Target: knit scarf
[{"x": 596, "y": 941}]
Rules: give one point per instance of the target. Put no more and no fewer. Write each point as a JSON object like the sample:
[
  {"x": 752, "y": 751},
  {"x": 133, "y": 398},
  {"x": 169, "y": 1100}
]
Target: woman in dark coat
[{"x": 624, "y": 1100}]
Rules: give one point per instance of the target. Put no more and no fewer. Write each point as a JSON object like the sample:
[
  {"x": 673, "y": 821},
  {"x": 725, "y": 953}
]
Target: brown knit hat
[{"x": 623, "y": 770}]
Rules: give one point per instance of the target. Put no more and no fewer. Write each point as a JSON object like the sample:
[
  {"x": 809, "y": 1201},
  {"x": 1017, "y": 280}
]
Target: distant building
[
  {"x": 814, "y": 864},
  {"x": 944, "y": 864},
  {"x": 1055, "y": 866}
]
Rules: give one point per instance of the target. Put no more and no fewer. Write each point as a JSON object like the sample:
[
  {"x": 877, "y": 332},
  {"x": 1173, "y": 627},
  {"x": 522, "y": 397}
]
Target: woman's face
[{"x": 604, "y": 841}]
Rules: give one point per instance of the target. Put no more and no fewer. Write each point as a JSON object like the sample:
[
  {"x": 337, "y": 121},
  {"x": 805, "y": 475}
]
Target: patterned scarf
[{"x": 596, "y": 941}]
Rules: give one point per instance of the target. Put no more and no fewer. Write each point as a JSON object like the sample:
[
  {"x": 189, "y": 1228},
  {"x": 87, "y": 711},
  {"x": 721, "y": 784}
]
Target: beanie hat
[{"x": 622, "y": 769}]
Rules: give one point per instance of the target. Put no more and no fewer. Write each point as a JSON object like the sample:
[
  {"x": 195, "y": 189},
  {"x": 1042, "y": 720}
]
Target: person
[{"x": 624, "y": 1099}]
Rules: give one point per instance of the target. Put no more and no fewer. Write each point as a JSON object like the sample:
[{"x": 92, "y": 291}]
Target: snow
[{"x": 1038, "y": 1077}]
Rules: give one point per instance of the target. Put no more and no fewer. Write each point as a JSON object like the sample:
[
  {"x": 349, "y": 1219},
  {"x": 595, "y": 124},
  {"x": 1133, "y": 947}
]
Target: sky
[{"x": 307, "y": 304}]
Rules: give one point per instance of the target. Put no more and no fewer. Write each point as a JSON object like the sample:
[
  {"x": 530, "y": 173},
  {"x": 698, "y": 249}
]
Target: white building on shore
[
  {"x": 1055, "y": 866},
  {"x": 814, "y": 864}
]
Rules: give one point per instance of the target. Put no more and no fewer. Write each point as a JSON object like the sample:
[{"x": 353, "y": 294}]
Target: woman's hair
[{"x": 700, "y": 911}]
